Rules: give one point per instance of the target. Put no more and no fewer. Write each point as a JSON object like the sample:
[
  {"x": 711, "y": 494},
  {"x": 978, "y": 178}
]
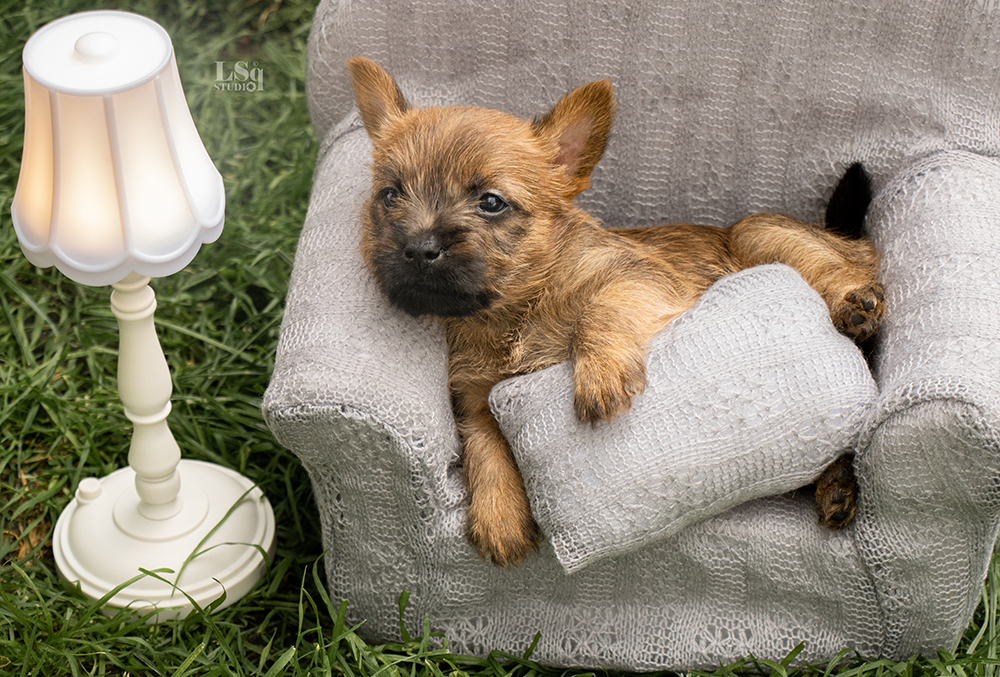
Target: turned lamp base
[
  {"x": 102, "y": 541},
  {"x": 208, "y": 525}
]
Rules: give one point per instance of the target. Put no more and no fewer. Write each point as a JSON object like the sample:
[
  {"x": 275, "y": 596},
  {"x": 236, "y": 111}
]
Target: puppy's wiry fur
[{"x": 472, "y": 219}]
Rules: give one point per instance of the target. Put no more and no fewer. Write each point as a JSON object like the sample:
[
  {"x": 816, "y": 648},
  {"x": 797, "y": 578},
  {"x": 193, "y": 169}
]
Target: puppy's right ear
[
  {"x": 377, "y": 95},
  {"x": 579, "y": 125}
]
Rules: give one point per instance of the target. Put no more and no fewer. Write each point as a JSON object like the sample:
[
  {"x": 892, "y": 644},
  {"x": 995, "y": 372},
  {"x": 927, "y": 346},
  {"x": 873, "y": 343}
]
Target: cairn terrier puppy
[{"x": 472, "y": 219}]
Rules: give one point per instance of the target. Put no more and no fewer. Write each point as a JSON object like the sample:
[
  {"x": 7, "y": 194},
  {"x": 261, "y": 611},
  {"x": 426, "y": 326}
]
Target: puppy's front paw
[
  {"x": 836, "y": 494},
  {"x": 860, "y": 312},
  {"x": 502, "y": 527},
  {"x": 603, "y": 389}
]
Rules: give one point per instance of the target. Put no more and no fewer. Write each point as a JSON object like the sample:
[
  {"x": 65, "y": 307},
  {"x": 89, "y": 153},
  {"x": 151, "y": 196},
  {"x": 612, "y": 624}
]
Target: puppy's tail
[{"x": 845, "y": 213}]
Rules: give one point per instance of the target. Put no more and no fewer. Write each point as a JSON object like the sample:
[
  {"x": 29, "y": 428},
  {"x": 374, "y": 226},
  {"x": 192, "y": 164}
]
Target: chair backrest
[{"x": 725, "y": 107}]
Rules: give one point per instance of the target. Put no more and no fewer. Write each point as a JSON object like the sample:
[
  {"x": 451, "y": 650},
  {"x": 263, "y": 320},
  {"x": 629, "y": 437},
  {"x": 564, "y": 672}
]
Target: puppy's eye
[
  {"x": 389, "y": 197},
  {"x": 491, "y": 204}
]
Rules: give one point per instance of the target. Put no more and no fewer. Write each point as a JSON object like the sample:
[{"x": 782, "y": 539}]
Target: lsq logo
[{"x": 244, "y": 77}]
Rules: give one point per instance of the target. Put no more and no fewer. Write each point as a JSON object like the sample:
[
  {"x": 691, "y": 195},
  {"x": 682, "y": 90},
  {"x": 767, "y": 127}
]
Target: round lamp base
[{"x": 214, "y": 541}]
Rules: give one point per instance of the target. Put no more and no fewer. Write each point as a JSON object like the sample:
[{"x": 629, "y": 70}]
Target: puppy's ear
[
  {"x": 579, "y": 124},
  {"x": 377, "y": 95}
]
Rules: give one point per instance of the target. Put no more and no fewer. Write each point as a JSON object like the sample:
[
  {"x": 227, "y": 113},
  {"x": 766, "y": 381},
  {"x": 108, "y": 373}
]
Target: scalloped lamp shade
[{"x": 114, "y": 176}]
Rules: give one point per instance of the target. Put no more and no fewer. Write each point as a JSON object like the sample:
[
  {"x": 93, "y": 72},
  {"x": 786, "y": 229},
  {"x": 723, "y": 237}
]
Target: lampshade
[{"x": 114, "y": 177}]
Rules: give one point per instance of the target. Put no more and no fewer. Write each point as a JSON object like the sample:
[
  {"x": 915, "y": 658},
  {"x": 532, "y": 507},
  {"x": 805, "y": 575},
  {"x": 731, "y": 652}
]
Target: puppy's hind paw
[
  {"x": 860, "y": 312},
  {"x": 836, "y": 494}
]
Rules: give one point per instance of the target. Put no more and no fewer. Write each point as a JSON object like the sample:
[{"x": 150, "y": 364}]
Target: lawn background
[{"x": 218, "y": 322}]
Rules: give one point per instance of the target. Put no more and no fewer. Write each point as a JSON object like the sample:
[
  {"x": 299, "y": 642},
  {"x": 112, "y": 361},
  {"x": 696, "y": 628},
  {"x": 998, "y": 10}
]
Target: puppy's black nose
[{"x": 423, "y": 250}]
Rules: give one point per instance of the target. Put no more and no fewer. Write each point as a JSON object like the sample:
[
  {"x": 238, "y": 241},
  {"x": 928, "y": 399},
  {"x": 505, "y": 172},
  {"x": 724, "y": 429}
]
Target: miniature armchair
[{"x": 679, "y": 535}]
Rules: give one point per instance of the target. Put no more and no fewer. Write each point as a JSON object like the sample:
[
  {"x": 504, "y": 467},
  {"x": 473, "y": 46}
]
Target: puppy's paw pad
[
  {"x": 860, "y": 312},
  {"x": 836, "y": 494}
]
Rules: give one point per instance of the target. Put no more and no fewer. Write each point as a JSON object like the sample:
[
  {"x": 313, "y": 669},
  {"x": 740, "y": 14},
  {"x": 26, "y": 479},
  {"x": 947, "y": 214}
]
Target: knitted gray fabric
[
  {"x": 751, "y": 393},
  {"x": 931, "y": 463},
  {"x": 725, "y": 108}
]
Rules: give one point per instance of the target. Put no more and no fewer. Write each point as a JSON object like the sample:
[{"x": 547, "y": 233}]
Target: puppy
[{"x": 472, "y": 219}]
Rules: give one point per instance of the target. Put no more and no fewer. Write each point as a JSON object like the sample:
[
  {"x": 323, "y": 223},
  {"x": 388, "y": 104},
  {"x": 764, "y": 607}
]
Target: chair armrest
[{"x": 929, "y": 467}]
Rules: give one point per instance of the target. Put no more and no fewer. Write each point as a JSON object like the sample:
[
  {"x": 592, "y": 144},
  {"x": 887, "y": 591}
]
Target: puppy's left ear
[
  {"x": 580, "y": 124},
  {"x": 377, "y": 95}
]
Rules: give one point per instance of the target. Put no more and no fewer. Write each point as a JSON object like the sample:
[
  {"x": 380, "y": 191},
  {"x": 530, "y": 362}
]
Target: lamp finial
[{"x": 96, "y": 46}]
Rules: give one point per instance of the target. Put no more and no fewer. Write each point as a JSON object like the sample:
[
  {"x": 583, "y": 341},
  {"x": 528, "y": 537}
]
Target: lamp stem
[{"x": 145, "y": 388}]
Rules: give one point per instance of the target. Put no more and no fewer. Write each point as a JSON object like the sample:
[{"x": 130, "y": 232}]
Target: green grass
[{"x": 61, "y": 420}]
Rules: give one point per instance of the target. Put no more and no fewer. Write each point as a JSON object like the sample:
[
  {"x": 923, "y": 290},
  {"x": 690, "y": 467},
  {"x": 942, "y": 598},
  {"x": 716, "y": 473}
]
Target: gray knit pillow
[{"x": 750, "y": 393}]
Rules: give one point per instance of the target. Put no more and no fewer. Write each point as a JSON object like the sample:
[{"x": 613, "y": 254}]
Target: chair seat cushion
[{"x": 750, "y": 393}]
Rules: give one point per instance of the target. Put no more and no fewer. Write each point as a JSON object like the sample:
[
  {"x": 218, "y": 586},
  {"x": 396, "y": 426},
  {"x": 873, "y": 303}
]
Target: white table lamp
[{"x": 116, "y": 187}]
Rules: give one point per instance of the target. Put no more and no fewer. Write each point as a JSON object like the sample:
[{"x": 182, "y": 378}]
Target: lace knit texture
[{"x": 725, "y": 109}]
